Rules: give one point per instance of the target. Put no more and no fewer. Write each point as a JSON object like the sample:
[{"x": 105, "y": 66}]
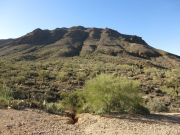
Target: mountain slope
[
  {"x": 45, "y": 63},
  {"x": 78, "y": 41}
]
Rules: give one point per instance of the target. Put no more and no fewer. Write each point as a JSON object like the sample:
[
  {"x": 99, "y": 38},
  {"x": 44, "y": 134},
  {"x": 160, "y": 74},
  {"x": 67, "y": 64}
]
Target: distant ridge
[{"x": 80, "y": 41}]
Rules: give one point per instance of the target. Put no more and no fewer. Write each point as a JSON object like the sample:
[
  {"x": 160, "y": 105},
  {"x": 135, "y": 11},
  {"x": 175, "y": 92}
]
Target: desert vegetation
[
  {"x": 71, "y": 67},
  {"x": 107, "y": 94},
  {"x": 48, "y": 83}
]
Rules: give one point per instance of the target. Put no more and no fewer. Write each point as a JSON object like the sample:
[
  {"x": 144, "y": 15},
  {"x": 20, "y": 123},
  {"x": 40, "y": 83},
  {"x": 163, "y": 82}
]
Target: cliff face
[{"x": 75, "y": 41}]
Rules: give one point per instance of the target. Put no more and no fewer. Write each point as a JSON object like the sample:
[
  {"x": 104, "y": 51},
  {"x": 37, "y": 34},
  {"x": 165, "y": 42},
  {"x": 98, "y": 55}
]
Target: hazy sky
[{"x": 157, "y": 21}]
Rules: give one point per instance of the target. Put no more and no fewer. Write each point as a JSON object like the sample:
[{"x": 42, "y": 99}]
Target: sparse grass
[{"x": 5, "y": 96}]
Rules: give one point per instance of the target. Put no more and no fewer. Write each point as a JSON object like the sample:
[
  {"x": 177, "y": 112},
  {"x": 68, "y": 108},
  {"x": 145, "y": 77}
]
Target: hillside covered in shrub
[{"x": 45, "y": 67}]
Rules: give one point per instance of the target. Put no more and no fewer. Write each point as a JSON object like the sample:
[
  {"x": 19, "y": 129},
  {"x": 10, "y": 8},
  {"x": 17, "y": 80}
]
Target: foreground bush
[
  {"x": 73, "y": 101},
  {"x": 108, "y": 94}
]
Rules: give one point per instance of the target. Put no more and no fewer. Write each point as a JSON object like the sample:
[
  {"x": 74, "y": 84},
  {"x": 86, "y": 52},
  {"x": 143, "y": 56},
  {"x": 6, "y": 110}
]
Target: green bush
[
  {"x": 5, "y": 96},
  {"x": 5, "y": 92},
  {"x": 73, "y": 101},
  {"x": 109, "y": 94}
]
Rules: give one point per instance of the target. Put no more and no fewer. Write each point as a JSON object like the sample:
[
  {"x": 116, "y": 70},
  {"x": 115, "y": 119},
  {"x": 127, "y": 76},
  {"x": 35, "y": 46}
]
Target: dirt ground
[{"x": 35, "y": 122}]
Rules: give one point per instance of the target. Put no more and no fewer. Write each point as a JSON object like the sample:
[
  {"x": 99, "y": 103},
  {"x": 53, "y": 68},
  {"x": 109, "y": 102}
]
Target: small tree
[
  {"x": 109, "y": 94},
  {"x": 72, "y": 104}
]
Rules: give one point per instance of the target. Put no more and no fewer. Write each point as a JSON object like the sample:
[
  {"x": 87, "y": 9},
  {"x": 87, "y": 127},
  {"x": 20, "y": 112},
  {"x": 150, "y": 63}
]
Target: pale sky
[{"x": 156, "y": 21}]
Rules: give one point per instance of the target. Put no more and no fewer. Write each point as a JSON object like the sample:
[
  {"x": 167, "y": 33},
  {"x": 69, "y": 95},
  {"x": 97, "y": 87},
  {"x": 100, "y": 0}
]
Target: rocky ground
[{"x": 35, "y": 122}]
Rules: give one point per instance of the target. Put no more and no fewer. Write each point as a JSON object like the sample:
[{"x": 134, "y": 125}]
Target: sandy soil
[{"x": 35, "y": 122}]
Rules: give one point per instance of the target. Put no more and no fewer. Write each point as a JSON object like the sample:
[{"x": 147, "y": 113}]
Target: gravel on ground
[{"x": 36, "y": 122}]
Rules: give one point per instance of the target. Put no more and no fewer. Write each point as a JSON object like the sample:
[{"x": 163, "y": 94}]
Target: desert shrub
[
  {"x": 109, "y": 94},
  {"x": 150, "y": 71},
  {"x": 63, "y": 76},
  {"x": 173, "y": 77},
  {"x": 81, "y": 76},
  {"x": 173, "y": 81},
  {"x": 19, "y": 93},
  {"x": 3, "y": 103},
  {"x": 168, "y": 90},
  {"x": 175, "y": 106},
  {"x": 157, "y": 105},
  {"x": 20, "y": 79},
  {"x": 18, "y": 104},
  {"x": 5, "y": 92},
  {"x": 5, "y": 96},
  {"x": 43, "y": 74},
  {"x": 73, "y": 101},
  {"x": 55, "y": 108},
  {"x": 35, "y": 104}
]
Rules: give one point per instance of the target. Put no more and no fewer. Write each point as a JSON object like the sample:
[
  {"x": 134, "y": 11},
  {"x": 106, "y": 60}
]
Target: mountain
[
  {"x": 79, "y": 41},
  {"x": 43, "y": 64}
]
